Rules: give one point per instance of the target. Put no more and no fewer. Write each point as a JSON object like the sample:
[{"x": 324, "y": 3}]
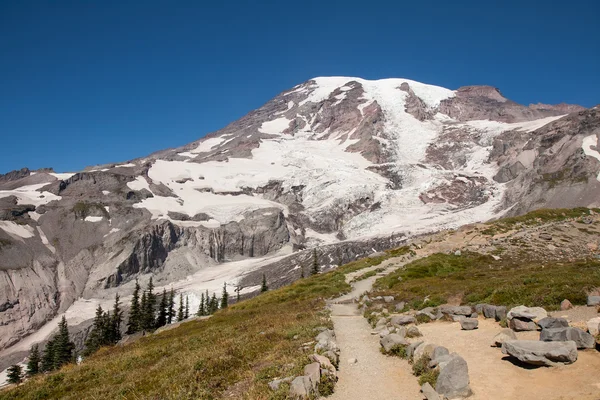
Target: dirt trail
[
  {"x": 494, "y": 377},
  {"x": 374, "y": 376}
]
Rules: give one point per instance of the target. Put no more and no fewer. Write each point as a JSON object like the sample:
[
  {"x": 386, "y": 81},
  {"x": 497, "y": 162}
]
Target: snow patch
[
  {"x": 105, "y": 192},
  {"x": 45, "y": 240},
  {"x": 207, "y": 145},
  {"x": 93, "y": 219},
  {"x": 587, "y": 144},
  {"x": 17, "y": 231},
  {"x": 275, "y": 127},
  {"x": 62, "y": 176},
  {"x": 138, "y": 184}
]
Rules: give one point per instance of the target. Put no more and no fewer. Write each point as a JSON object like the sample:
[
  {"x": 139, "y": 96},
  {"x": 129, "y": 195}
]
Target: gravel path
[{"x": 374, "y": 376}]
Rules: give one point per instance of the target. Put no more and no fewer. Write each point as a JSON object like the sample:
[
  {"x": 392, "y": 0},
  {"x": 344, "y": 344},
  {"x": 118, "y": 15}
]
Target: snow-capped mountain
[{"x": 347, "y": 165}]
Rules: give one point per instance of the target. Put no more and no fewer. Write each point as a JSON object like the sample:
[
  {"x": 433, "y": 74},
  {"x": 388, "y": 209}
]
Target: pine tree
[
  {"x": 180, "y": 312},
  {"x": 238, "y": 289},
  {"x": 33, "y": 364},
  {"x": 15, "y": 374},
  {"x": 214, "y": 304},
  {"x": 149, "y": 310},
  {"x": 163, "y": 309},
  {"x": 315, "y": 263},
  {"x": 143, "y": 309},
  {"x": 224, "y": 297},
  {"x": 115, "y": 322},
  {"x": 201, "y": 306},
  {"x": 133, "y": 325},
  {"x": 186, "y": 313},
  {"x": 264, "y": 286},
  {"x": 97, "y": 335},
  {"x": 171, "y": 311},
  {"x": 48, "y": 356},
  {"x": 63, "y": 347}
]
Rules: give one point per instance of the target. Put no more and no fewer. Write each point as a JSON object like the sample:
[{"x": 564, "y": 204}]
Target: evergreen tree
[
  {"x": 63, "y": 347},
  {"x": 48, "y": 356},
  {"x": 214, "y": 304},
  {"x": 98, "y": 334},
  {"x": 133, "y": 325},
  {"x": 148, "y": 312},
  {"x": 315, "y": 263},
  {"x": 224, "y": 297},
  {"x": 264, "y": 286},
  {"x": 163, "y": 309},
  {"x": 180, "y": 312},
  {"x": 15, "y": 374},
  {"x": 171, "y": 311},
  {"x": 114, "y": 333},
  {"x": 143, "y": 308},
  {"x": 186, "y": 313},
  {"x": 33, "y": 364},
  {"x": 238, "y": 289},
  {"x": 201, "y": 306}
]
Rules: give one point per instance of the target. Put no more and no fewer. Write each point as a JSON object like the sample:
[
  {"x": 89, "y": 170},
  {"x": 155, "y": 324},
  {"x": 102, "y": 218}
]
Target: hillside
[{"x": 345, "y": 165}]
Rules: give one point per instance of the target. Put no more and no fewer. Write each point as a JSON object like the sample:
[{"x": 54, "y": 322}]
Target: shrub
[
  {"x": 430, "y": 377},
  {"x": 326, "y": 385},
  {"x": 421, "y": 366},
  {"x": 398, "y": 350},
  {"x": 422, "y": 319}
]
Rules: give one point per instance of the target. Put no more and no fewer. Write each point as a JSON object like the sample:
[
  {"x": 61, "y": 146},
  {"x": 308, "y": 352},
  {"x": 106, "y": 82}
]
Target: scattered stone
[
  {"x": 474, "y": 315},
  {"x": 384, "y": 332},
  {"x": 500, "y": 313},
  {"x": 549, "y": 323},
  {"x": 456, "y": 310},
  {"x": 489, "y": 311},
  {"x": 313, "y": 372},
  {"x": 400, "y": 306},
  {"x": 441, "y": 361},
  {"x": 410, "y": 349},
  {"x": 468, "y": 324},
  {"x": 388, "y": 299},
  {"x": 413, "y": 332},
  {"x": 593, "y": 326},
  {"x": 424, "y": 349},
  {"x": 333, "y": 357},
  {"x": 565, "y": 305},
  {"x": 531, "y": 313},
  {"x": 438, "y": 352},
  {"x": 545, "y": 236},
  {"x": 403, "y": 320},
  {"x": 391, "y": 340},
  {"x": 582, "y": 339},
  {"x": 457, "y": 318},
  {"x": 324, "y": 362},
  {"x": 352, "y": 361},
  {"x": 274, "y": 384},
  {"x": 429, "y": 392},
  {"x": 479, "y": 308},
  {"x": 522, "y": 324},
  {"x": 428, "y": 311},
  {"x": 593, "y": 300},
  {"x": 381, "y": 322},
  {"x": 453, "y": 380},
  {"x": 541, "y": 353},
  {"x": 300, "y": 388},
  {"x": 504, "y": 335}
]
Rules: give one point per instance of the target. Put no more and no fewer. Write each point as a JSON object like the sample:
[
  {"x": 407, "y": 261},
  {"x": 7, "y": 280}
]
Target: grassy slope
[{"x": 234, "y": 354}]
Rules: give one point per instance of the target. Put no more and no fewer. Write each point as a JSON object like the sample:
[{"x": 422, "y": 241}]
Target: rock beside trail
[
  {"x": 313, "y": 372},
  {"x": 300, "y": 388},
  {"x": 522, "y": 324},
  {"x": 531, "y": 313},
  {"x": 274, "y": 384},
  {"x": 424, "y": 349},
  {"x": 549, "y": 323},
  {"x": 403, "y": 320},
  {"x": 429, "y": 392},
  {"x": 500, "y": 313},
  {"x": 541, "y": 353},
  {"x": 438, "y": 352},
  {"x": 410, "y": 349},
  {"x": 489, "y": 311},
  {"x": 391, "y": 340},
  {"x": 400, "y": 306},
  {"x": 456, "y": 310},
  {"x": 504, "y": 335},
  {"x": 593, "y": 326},
  {"x": 429, "y": 312},
  {"x": 469, "y": 324},
  {"x": 413, "y": 332},
  {"x": 565, "y": 305},
  {"x": 453, "y": 380},
  {"x": 388, "y": 299},
  {"x": 582, "y": 339},
  {"x": 593, "y": 300}
]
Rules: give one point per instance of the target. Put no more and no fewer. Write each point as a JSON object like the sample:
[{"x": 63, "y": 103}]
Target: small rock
[
  {"x": 582, "y": 339},
  {"x": 388, "y": 299},
  {"x": 456, "y": 310},
  {"x": 384, "y": 332},
  {"x": 593, "y": 326},
  {"x": 489, "y": 311},
  {"x": 403, "y": 320},
  {"x": 549, "y": 323},
  {"x": 457, "y": 318},
  {"x": 565, "y": 305},
  {"x": 400, "y": 306},
  {"x": 391, "y": 340},
  {"x": 500, "y": 313},
  {"x": 474, "y": 315},
  {"x": 545, "y": 236},
  {"x": 413, "y": 332},
  {"x": 423, "y": 349},
  {"x": 352, "y": 361},
  {"x": 504, "y": 335},
  {"x": 531, "y": 313},
  {"x": 479, "y": 308},
  {"x": 521, "y": 324},
  {"x": 313, "y": 372},
  {"x": 274, "y": 384},
  {"x": 593, "y": 300},
  {"x": 469, "y": 324},
  {"x": 410, "y": 349},
  {"x": 541, "y": 353},
  {"x": 429, "y": 392},
  {"x": 438, "y": 352},
  {"x": 457, "y": 253},
  {"x": 300, "y": 388}
]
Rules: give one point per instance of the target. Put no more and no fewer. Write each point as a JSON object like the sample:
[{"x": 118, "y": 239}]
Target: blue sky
[{"x": 90, "y": 82}]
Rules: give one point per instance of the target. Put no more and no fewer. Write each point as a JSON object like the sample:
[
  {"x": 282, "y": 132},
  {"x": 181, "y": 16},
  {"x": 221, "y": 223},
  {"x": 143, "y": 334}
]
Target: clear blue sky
[{"x": 88, "y": 82}]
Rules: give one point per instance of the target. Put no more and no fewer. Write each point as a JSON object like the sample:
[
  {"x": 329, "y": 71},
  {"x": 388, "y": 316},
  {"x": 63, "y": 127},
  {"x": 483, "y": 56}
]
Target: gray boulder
[
  {"x": 456, "y": 310},
  {"x": 429, "y": 312},
  {"x": 438, "y": 352},
  {"x": 400, "y": 306},
  {"x": 429, "y": 392},
  {"x": 479, "y": 308},
  {"x": 313, "y": 372},
  {"x": 489, "y": 311},
  {"x": 403, "y": 320},
  {"x": 424, "y": 349},
  {"x": 300, "y": 388},
  {"x": 500, "y": 313},
  {"x": 504, "y": 335},
  {"x": 531, "y": 313},
  {"x": 541, "y": 353},
  {"x": 593, "y": 326},
  {"x": 388, "y": 299},
  {"x": 453, "y": 380},
  {"x": 582, "y": 339},
  {"x": 410, "y": 349},
  {"x": 549, "y": 323},
  {"x": 474, "y": 315},
  {"x": 469, "y": 324},
  {"x": 391, "y": 340},
  {"x": 274, "y": 384},
  {"x": 413, "y": 332},
  {"x": 593, "y": 300},
  {"x": 521, "y": 324}
]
